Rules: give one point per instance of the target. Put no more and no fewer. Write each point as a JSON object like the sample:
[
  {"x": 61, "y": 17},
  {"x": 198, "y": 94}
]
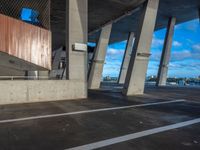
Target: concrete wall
[{"x": 12, "y": 92}]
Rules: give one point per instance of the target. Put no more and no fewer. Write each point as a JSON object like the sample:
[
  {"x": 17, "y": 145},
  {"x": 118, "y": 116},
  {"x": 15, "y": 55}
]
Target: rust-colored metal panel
[{"x": 25, "y": 41}]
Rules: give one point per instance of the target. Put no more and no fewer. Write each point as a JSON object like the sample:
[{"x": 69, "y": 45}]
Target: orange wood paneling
[{"x": 25, "y": 41}]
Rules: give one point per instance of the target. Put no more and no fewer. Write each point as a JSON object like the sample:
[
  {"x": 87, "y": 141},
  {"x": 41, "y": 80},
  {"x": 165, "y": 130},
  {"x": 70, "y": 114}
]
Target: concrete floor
[{"x": 67, "y": 131}]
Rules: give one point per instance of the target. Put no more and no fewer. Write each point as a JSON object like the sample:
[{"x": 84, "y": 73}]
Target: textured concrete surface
[
  {"x": 41, "y": 90},
  {"x": 63, "y": 132},
  {"x": 76, "y": 32},
  {"x": 137, "y": 69},
  {"x": 96, "y": 69},
  {"x": 166, "y": 54},
  {"x": 126, "y": 58}
]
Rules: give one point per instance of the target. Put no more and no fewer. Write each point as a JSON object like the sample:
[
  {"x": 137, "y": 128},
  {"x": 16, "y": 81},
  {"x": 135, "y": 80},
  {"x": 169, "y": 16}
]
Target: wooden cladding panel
[
  {"x": 3, "y": 35},
  {"x": 25, "y": 41}
]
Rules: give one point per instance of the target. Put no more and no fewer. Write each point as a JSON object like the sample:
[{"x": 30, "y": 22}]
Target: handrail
[{"x": 23, "y": 78}]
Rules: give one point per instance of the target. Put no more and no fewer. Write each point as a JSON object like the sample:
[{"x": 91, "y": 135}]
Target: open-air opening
[
  {"x": 113, "y": 62},
  {"x": 185, "y": 55}
]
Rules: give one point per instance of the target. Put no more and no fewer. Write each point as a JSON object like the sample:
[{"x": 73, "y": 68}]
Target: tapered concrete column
[
  {"x": 76, "y": 32},
  {"x": 126, "y": 59},
  {"x": 99, "y": 58},
  {"x": 165, "y": 58},
  {"x": 135, "y": 79}
]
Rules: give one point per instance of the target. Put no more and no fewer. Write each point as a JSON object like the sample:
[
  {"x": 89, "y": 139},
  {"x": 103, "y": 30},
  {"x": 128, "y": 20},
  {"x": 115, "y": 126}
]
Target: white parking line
[
  {"x": 86, "y": 111},
  {"x": 133, "y": 136}
]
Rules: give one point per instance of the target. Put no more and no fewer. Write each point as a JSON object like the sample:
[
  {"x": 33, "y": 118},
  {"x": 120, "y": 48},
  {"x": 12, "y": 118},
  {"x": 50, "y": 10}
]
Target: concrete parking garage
[
  {"x": 164, "y": 118},
  {"x": 45, "y": 103}
]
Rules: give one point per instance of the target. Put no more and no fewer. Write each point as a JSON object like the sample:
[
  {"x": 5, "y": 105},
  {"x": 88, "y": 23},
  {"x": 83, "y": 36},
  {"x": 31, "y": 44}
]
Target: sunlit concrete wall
[{"x": 39, "y": 91}]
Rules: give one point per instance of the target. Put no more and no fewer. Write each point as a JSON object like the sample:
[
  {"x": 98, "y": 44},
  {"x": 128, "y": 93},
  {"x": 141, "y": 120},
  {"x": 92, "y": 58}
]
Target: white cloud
[
  {"x": 174, "y": 65},
  {"x": 156, "y": 56},
  {"x": 112, "y": 51},
  {"x": 177, "y": 44},
  {"x": 181, "y": 55},
  {"x": 157, "y": 42},
  {"x": 196, "y": 47},
  {"x": 177, "y": 55},
  {"x": 192, "y": 27},
  {"x": 189, "y": 26},
  {"x": 189, "y": 41},
  {"x": 184, "y": 65}
]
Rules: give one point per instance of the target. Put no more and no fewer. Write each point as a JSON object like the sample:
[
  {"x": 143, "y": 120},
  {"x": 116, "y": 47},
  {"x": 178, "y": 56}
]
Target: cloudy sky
[{"x": 185, "y": 56}]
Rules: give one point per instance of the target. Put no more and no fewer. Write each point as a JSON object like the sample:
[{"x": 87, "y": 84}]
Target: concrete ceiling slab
[{"x": 103, "y": 11}]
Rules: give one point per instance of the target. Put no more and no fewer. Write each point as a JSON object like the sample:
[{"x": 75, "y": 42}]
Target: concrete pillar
[
  {"x": 76, "y": 32},
  {"x": 165, "y": 58},
  {"x": 136, "y": 75},
  {"x": 99, "y": 58},
  {"x": 126, "y": 59}
]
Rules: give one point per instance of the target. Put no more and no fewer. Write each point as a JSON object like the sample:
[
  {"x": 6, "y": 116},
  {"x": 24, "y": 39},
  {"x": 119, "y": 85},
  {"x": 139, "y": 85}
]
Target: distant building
[
  {"x": 181, "y": 83},
  {"x": 110, "y": 79}
]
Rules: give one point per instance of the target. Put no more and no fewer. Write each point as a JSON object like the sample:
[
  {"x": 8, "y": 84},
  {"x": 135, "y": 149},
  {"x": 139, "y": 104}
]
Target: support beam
[
  {"x": 135, "y": 79},
  {"x": 126, "y": 59},
  {"x": 99, "y": 58},
  {"x": 165, "y": 58},
  {"x": 76, "y": 32}
]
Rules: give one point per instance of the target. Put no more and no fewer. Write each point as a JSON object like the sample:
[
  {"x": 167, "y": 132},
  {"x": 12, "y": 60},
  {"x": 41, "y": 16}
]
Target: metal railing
[{"x": 24, "y": 78}]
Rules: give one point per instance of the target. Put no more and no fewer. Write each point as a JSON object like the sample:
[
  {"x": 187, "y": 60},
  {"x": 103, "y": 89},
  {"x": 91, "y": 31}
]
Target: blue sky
[{"x": 185, "y": 56}]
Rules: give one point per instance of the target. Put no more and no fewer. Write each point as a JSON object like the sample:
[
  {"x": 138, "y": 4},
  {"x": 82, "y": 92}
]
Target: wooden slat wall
[{"x": 25, "y": 41}]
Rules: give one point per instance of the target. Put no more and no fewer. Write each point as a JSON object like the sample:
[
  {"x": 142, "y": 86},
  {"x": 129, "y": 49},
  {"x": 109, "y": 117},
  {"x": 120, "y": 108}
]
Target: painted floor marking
[
  {"x": 133, "y": 136},
  {"x": 87, "y": 111}
]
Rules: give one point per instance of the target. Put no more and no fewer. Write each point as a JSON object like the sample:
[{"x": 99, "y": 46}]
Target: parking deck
[{"x": 164, "y": 118}]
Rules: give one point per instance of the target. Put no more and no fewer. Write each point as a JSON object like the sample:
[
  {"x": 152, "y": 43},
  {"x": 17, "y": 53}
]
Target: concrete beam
[
  {"x": 126, "y": 59},
  {"x": 95, "y": 74},
  {"x": 165, "y": 58},
  {"x": 136, "y": 75}
]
